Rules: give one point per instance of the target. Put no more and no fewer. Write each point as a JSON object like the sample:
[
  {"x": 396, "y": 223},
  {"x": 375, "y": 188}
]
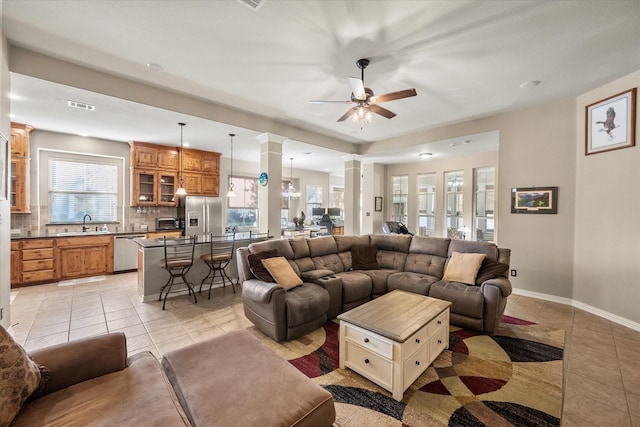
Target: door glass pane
[{"x": 484, "y": 218}]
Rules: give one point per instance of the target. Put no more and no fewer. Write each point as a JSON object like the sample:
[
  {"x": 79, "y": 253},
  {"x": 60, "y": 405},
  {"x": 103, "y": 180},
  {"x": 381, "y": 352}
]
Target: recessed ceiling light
[
  {"x": 453, "y": 144},
  {"x": 467, "y": 141},
  {"x": 530, "y": 83},
  {"x": 155, "y": 67},
  {"x": 308, "y": 153},
  {"x": 425, "y": 156}
]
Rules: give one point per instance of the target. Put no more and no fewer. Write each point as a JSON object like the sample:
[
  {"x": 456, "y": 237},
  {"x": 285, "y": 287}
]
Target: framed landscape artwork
[
  {"x": 611, "y": 123},
  {"x": 378, "y": 204},
  {"x": 541, "y": 200}
]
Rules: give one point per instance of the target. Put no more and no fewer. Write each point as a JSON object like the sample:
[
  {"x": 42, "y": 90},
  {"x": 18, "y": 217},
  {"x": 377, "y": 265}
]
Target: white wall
[{"x": 607, "y": 244}]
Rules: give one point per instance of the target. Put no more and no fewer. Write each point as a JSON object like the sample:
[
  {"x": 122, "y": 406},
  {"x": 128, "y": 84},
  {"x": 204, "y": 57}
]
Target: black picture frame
[
  {"x": 534, "y": 200},
  {"x": 377, "y": 205}
]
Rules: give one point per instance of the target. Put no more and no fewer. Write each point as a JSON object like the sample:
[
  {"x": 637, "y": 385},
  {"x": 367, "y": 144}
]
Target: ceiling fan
[{"x": 365, "y": 100}]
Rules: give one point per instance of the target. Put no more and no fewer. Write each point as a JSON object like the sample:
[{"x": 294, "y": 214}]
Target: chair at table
[
  {"x": 218, "y": 258},
  {"x": 178, "y": 259},
  {"x": 256, "y": 235}
]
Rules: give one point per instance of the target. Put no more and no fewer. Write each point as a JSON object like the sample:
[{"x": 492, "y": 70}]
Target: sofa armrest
[
  {"x": 259, "y": 291},
  {"x": 502, "y": 283},
  {"x": 81, "y": 360}
]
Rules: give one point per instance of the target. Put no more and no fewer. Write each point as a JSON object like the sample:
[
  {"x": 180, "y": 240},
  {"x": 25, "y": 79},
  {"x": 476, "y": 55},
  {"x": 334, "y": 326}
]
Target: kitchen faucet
[{"x": 84, "y": 222}]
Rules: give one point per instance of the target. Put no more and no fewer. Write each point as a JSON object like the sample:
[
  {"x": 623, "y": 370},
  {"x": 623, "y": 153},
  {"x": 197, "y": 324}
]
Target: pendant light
[
  {"x": 231, "y": 193},
  {"x": 181, "y": 191},
  {"x": 291, "y": 191}
]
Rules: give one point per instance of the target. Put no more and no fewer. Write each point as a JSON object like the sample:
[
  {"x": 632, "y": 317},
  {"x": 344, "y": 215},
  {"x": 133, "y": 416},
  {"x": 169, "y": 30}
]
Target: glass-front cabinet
[
  {"x": 454, "y": 182},
  {"x": 426, "y": 204},
  {"x": 151, "y": 188},
  {"x": 484, "y": 212}
]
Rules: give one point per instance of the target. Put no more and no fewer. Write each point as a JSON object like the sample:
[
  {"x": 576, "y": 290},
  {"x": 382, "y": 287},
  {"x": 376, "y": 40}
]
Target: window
[
  {"x": 483, "y": 216},
  {"x": 426, "y": 201},
  {"x": 80, "y": 185},
  {"x": 400, "y": 196},
  {"x": 454, "y": 182},
  {"x": 314, "y": 199},
  {"x": 242, "y": 210}
]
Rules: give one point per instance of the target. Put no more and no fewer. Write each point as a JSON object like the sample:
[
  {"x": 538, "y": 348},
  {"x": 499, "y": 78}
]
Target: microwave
[{"x": 167, "y": 224}]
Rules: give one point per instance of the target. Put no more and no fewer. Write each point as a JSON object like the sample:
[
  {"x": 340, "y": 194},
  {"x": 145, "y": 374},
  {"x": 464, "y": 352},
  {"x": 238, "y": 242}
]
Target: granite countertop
[
  {"x": 45, "y": 235},
  {"x": 200, "y": 239}
]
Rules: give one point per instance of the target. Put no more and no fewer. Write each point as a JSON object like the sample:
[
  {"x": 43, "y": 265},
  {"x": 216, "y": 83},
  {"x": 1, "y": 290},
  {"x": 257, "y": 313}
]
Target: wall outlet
[{"x": 514, "y": 273}]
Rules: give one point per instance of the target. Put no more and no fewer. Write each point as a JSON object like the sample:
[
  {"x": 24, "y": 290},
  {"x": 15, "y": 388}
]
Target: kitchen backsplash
[{"x": 135, "y": 218}]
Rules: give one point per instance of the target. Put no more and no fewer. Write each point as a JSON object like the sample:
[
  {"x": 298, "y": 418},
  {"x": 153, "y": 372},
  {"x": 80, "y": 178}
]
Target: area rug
[{"x": 511, "y": 378}]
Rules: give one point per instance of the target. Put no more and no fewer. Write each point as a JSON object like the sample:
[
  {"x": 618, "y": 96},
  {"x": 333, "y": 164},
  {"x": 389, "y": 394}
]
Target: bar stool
[
  {"x": 218, "y": 258},
  {"x": 178, "y": 259}
]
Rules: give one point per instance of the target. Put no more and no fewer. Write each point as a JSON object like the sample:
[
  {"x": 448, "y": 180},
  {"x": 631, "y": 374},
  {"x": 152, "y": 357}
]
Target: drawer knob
[
  {"x": 366, "y": 360},
  {"x": 439, "y": 322},
  {"x": 366, "y": 340},
  {"x": 439, "y": 341},
  {"x": 417, "y": 340},
  {"x": 417, "y": 363}
]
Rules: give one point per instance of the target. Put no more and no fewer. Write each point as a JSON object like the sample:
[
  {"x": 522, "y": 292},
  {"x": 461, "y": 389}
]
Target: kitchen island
[{"x": 151, "y": 276}]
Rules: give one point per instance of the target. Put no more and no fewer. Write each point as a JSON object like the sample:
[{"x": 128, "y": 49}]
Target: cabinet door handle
[
  {"x": 366, "y": 340},
  {"x": 439, "y": 322},
  {"x": 417, "y": 363},
  {"x": 439, "y": 341},
  {"x": 366, "y": 360},
  {"x": 417, "y": 340}
]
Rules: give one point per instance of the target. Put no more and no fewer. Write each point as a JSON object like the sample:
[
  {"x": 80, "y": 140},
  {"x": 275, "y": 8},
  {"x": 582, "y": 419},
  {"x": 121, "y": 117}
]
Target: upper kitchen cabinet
[
  {"x": 153, "y": 156},
  {"x": 19, "y": 184},
  {"x": 155, "y": 173}
]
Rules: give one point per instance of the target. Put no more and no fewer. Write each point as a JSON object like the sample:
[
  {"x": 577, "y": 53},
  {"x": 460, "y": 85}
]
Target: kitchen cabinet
[
  {"x": 153, "y": 156},
  {"x": 19, "y": 168},
  {"x": 37, "y": 262},
  {"x": 85, "y": 256},
  {"x": 201, "y": 172},
  {"x": 153, "y": 188},
  {"x": 16, "y": 266}
]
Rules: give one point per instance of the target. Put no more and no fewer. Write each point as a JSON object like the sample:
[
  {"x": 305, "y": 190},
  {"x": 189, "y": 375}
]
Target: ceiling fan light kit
[{"x": 366, "y": 101}]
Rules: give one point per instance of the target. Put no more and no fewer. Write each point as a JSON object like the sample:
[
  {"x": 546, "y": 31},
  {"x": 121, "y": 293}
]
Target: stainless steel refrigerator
[{"x": 202, "y": 215}]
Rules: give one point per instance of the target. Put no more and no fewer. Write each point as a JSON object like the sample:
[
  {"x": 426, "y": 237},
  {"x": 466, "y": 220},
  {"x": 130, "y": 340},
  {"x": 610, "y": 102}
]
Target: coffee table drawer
[
  {"x": 438, "y": 322},
  {"x": 370, "y": 341},
  {"x": 415, "y": 365},
  {"x": 369, "y": 364},
  {"x": 417, "y": 340},
  {"x": 438, "y": 343}
]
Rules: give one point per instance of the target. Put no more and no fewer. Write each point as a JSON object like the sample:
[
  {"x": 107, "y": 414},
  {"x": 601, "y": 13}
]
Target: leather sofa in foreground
[{"x": 326, "y": 268}]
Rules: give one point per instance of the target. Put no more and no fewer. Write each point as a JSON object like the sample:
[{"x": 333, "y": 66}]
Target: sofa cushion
[
  {"x": 392, "y": 242},
  {"x": 356, "y": 286},
  {"x": 379, "y": 280},
  {"x": 391, "y": 260},
  {"x": 300, "y": 248},
  {"x": 468, "y": 246},
  {"x": 438, "y": 246},
  {"x": 137, "y": 395},
  {"x": 256, "y": 266},
  {"x": 463, "y": 268},
  {"x": 305, "y": 303},
  {"x": 19, "y": 377},
  {"x": 282, "y": 246},
  {"x": 363, "y": 257},
  {"x": 344, "y": 243},
  {"x": 431, "y": 265},
  {"x": 490, "y": 270},
  {"x": 465, "y": 300},
  {"x": 411, "y": 282},
  {"x": 312, "y": 275},
  {"x": 282, "y": 272},
  {"x": 323, "y": 245},
  {"x": 331, "y": 262}
]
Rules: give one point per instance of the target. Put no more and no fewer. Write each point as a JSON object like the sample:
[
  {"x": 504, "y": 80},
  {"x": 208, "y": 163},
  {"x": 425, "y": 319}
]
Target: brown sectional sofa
[
  {"x": 411, "y": 263},
  {"x": 219, "y": 382}
]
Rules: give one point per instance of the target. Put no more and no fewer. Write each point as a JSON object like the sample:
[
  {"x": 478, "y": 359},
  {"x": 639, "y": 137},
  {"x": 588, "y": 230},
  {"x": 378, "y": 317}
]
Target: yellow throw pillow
[
  {"x": 282, "y": 272},
  {"x": 463, "y": 268}
]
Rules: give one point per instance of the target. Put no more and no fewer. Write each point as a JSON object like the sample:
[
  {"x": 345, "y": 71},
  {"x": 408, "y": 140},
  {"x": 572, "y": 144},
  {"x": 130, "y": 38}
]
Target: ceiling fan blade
[
  {"x": 348, "y": 114},
  {"x": 382, "y": 111},
  {"x": 357, "y": 87},
  {"x": 331, "y": 102},
  {"x": 393, "y": 95}
]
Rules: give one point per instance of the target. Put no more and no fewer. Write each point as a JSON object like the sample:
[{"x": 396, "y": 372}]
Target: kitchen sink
[{"x": 81, "y": 233}]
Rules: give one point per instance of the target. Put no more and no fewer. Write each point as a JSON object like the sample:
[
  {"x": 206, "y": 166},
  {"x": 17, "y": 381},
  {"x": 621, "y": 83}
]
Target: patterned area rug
[{"x": 513, "y": 378}]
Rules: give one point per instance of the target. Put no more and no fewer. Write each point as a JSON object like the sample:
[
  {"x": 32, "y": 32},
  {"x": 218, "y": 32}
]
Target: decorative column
[
  {"x": 372, "y": 188},
  {"x": 352, "y": 174},
  {"x": 270, "y": 193}
]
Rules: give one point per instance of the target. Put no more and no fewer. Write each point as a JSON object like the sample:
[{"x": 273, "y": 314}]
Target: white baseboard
[{"x": 582, "y": 306}]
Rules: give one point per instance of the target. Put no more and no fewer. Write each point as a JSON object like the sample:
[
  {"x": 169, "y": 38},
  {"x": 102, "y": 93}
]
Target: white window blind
[{"x": 77, "y": 188}]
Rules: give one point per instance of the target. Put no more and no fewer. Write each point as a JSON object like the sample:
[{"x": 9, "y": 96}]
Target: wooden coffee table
[{"x": 391, "y": 340}]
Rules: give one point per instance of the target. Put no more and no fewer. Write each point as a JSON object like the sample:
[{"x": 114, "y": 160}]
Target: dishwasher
[{"x": 125, "y": 252}]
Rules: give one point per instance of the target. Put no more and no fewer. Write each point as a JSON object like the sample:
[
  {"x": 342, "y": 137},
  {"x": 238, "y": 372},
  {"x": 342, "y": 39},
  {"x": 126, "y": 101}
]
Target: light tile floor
[{"x": 602, "y": 358}]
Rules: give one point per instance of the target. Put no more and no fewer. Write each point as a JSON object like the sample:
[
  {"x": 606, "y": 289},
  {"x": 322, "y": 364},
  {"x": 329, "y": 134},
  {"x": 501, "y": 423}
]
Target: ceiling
[{"x": 466, "y": 59}]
